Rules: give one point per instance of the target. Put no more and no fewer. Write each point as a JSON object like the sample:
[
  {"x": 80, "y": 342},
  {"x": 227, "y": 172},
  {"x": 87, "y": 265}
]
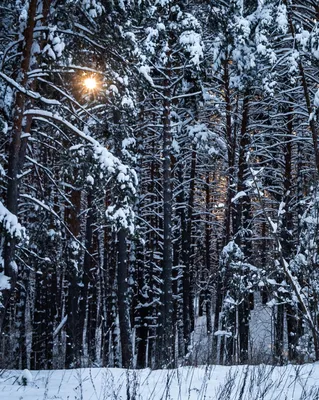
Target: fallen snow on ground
[{"x": 185, "y": 383}]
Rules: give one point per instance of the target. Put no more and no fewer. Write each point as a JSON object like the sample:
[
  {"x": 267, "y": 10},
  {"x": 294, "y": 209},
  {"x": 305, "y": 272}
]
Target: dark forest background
[{"x": 183, "y": 185}]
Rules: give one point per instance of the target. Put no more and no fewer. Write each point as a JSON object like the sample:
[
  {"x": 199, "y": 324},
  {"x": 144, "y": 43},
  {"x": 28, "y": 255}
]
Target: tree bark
[
  {"x": 165, "y": 342},
  {"x": 124, "y": 318},
  {"x": 16, "y": 157}
]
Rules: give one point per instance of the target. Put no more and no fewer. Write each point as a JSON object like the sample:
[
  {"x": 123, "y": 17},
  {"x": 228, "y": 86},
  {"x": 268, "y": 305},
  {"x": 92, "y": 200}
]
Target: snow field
[{"x": 261, "y": 382}]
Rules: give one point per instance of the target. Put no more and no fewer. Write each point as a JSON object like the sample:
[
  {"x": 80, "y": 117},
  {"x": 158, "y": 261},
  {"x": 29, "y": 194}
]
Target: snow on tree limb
[
  {"x": 10, "y": 223},
  {"x": 284, "y": 264},
  {"x": 122, "y": 213},
  {"x": 30, "y": 93}
]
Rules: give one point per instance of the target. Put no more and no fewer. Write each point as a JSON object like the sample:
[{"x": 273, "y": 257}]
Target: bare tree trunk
[
  {"x": 165, "y": 342},
  {"x": 143, "y": 309},
  {"x": 230, "y": 135},
  {"x": 73, "y": 349},
  {"x": 243, "y": 219},
  {"x": 208, "y": 299},
  {"x": 20, "y": 355},
  {"x": 287, "y": 238},
  {"x": 279, "y": 334},
  {"x": 124, "y": 318},
  {"x": 188, "y": 307}
]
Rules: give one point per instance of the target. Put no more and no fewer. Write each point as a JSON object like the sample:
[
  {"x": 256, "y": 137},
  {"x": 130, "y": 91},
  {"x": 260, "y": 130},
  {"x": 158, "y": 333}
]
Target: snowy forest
[{"x": 159, "y": 166}]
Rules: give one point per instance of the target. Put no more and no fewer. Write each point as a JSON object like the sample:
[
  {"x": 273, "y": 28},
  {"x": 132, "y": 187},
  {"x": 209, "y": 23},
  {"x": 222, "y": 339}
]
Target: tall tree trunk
[
  {"x": 287, "y": 239},
  {"x": 279, "y": 334},
  {"x": 230, "y": 134},
  {"x": 16, "y": 157},
  {"x": 208, "y": 300},
  {"x": 124, "y": 317},
  {"x": 243, "y": 220},
  {"x": 188, "y": 296},
  {"x": 73, "y": 335},
  {"x": 143, "y": 309},
  {"x": 165, "y": 343},
  {"x": 21, "y": 353}
]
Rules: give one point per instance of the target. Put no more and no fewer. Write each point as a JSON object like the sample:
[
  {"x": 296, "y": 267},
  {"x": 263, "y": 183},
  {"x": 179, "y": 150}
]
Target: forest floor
[{"x": 257, "y": 382}]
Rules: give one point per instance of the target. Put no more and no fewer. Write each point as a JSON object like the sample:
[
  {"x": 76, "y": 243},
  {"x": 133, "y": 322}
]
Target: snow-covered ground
[{"x": 185, "y": 383}]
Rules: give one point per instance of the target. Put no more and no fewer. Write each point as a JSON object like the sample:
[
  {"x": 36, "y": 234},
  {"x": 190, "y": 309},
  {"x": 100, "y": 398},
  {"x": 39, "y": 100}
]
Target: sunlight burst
[{"x": 90, "y": 83}]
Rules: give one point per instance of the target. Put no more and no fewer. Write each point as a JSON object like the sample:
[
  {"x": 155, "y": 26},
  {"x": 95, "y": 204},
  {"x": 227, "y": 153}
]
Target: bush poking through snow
[{"x": 25, "y": 379}]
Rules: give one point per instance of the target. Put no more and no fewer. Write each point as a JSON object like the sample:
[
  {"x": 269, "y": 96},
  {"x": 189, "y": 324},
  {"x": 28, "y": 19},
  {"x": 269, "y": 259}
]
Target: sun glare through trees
[{"x": 90, "y": 83}]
